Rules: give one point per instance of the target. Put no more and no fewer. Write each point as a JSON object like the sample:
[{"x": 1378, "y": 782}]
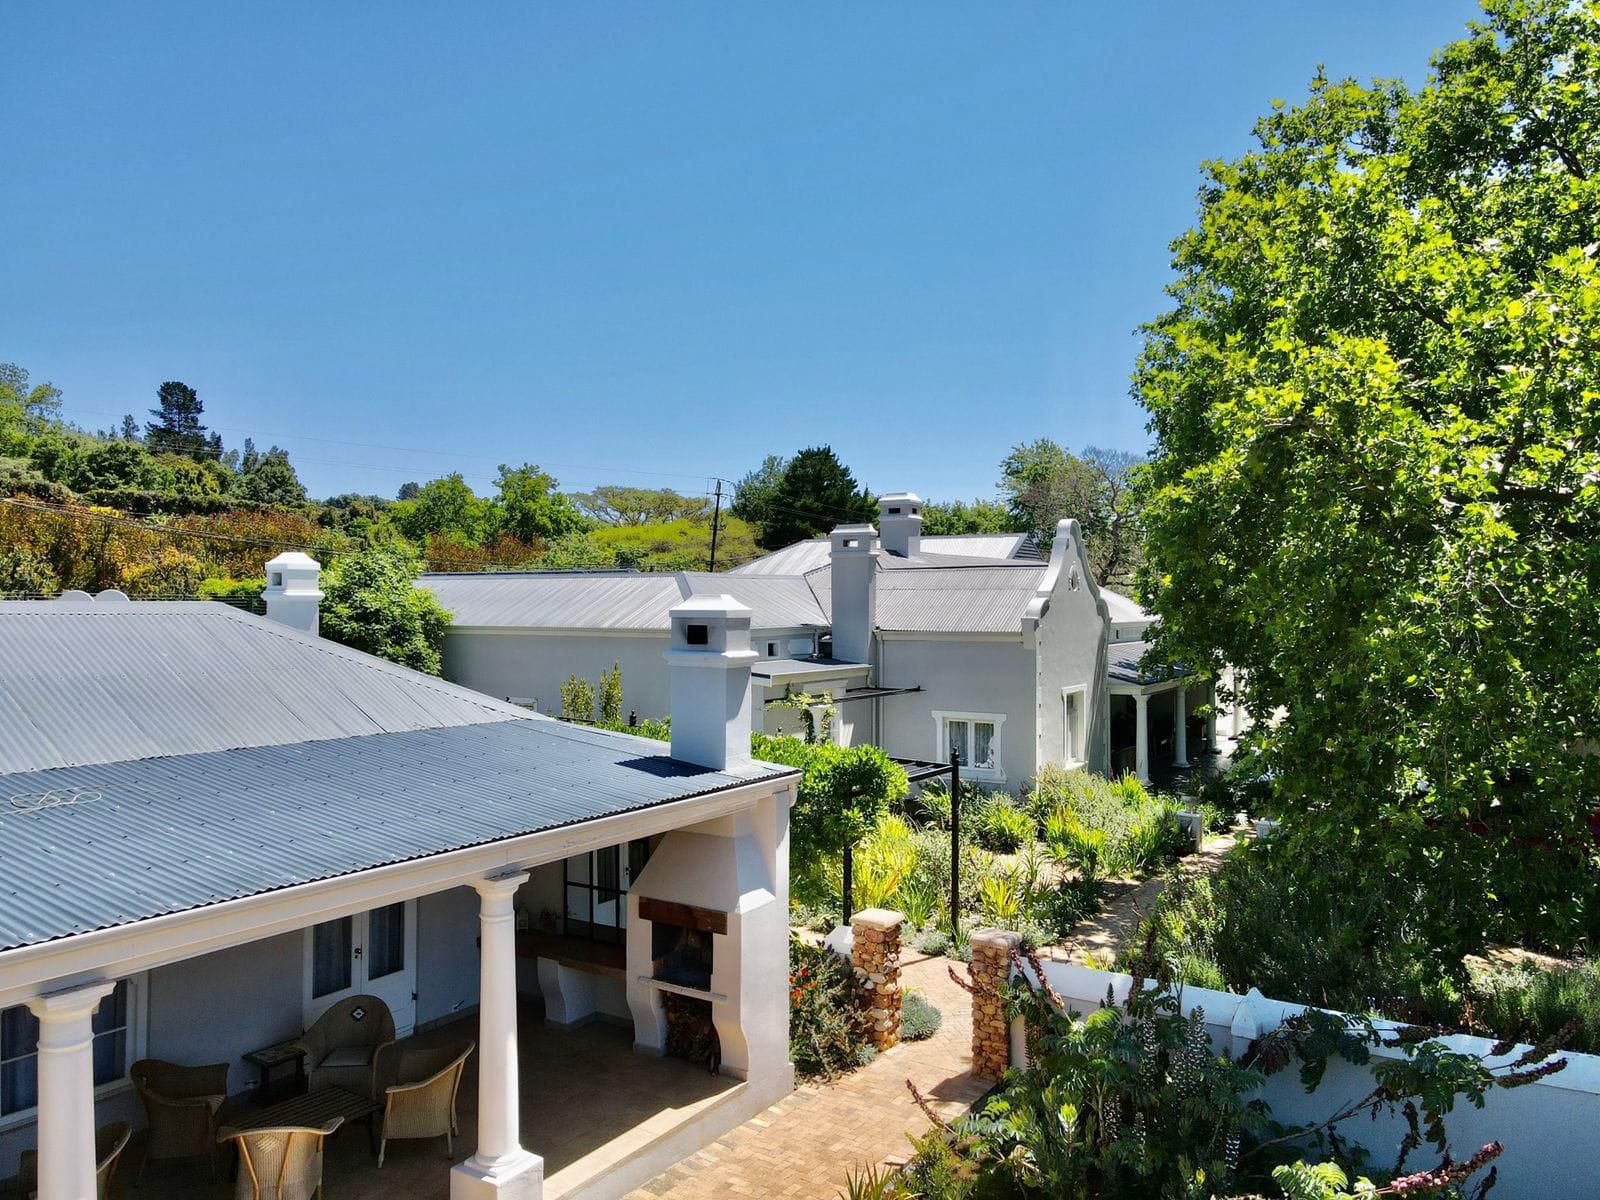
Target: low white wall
[{"x": 1547, "y": 1127}]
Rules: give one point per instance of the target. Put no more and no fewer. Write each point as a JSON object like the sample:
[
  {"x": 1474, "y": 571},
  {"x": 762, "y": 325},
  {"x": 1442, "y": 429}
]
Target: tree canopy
[
  {"x": 370, "y": 602},
  {"x": 1042, "y": 483},
  {"x": 1376, "y": 480},
  {"x": 802, "y": 497}
]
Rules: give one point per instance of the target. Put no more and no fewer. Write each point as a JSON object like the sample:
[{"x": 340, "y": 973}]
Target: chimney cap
[
  {"x": 856, "y": 539},
  {"x": 898, "y": 498},
  {"x": 294, "y": 560},
  {"x": 710, "y": 607}
]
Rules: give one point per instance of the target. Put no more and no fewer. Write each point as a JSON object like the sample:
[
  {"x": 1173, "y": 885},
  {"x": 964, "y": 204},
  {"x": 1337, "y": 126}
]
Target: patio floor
[{"x": 588, "y": 1100}]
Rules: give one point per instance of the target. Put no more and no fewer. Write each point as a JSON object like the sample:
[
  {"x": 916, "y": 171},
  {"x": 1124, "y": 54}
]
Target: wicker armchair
[
  {"x": 280, "y": 1164},
  {"x": 424, "y": 1105},
  {"x": 109, "y": 1143},
  {"x": 340, "y": 1046},
  {"x": 182, "y": 1106}
]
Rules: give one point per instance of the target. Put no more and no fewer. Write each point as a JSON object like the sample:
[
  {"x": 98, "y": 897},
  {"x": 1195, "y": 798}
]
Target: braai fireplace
[
  {"x": 683, "y": 941},
  {"x": 682, "y": 956}
]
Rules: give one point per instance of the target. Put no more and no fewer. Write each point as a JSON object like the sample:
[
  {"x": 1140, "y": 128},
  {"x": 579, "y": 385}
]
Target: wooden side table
[{"x": 273, "y": 1058}]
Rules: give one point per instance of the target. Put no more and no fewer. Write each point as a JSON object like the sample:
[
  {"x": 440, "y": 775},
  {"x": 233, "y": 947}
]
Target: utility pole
[{"x": 716, "y": 517}]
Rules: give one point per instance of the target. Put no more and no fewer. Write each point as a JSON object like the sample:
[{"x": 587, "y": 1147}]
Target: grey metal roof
[
  {"x": 803, "y": 557},
  {"x": 536, "y": 600},
  {"x": 779, "y": 668},
  {"x": 86, "y": 682},
  {"x": 1124, "y": 609},
  {"x": 1123, "y": 665},
  {"x": 989, "y": 599},
  {"x": 87, "y": 847}
]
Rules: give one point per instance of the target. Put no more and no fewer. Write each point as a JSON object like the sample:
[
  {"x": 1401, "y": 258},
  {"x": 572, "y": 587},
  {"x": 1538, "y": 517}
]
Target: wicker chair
[
  {"x": 340, "y": 1046},
  {"x": 182, "y": 1106},
  {"x": 280, "y": 1164},
  {"x": 424, "y": 1106},
  {"x": 109, "y": 1143}
]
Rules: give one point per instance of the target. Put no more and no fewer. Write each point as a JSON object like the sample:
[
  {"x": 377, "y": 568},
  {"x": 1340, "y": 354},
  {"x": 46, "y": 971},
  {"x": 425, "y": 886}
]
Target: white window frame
[
  {"x": 941, "y": 743},
  {"x": 1075, "y": 739},
  {"x": 134, "y": 1046}
]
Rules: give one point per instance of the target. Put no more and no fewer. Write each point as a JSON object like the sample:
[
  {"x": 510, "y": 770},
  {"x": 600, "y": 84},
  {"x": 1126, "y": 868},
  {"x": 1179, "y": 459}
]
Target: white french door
[{"x": 372, "y": 953}]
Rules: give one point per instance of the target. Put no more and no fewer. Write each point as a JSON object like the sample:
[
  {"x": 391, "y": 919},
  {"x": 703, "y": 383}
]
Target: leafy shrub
[
  {"x": 577, "y": 699},
  {"x": 920, "y": 901},
  {"x": 241, "y": 593},
  {"x": 1001, "y": 827},
  {"x": 828, "y": 1021},
  {"x": 934, "y": 942},
  {"x": 918, "y": 1018},
  {"x": 1001, "y": 898},
  {"x": 1533, "y": 1004},
  {"x": 1060, "y": 908},
  {"x": 881, "y": 863}
]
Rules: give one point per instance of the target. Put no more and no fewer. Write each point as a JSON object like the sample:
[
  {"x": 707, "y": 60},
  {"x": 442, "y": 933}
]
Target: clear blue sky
[{"x": 633, "y": 243}]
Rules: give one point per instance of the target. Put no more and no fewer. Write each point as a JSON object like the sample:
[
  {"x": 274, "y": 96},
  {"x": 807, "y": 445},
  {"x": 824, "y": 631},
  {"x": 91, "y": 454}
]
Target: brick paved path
[{"x": 805, "y": 1145}]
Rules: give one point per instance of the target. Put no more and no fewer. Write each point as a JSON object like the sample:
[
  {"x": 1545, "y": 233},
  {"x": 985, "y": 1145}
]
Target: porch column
[
  {"x": 501, "y": 1168},
  {"x": 66, "y": 1091},
  {"x": 1180, "y": 727},
  {"x": 1141, "y": 741},
  {"x": 1211, "y": 717}
]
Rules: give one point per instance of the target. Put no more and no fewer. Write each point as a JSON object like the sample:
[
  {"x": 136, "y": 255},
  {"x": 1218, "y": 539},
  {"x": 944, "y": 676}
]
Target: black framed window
[{"x": 596, "y": 891}]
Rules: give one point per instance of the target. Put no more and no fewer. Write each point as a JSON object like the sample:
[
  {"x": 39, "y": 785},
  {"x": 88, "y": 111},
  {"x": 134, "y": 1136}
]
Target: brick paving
[{"x": 804, "y": 1146}]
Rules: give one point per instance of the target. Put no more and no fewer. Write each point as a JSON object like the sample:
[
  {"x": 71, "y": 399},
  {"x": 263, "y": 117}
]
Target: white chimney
[
  {"x": 900, "y": 523},
  {"x": 293, "y": 592},
  {"x": 854, "y": 562},
  {"x": 709, "y": 665}
]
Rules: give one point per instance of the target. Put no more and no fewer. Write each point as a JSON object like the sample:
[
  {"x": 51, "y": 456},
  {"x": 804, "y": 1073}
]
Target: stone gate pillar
[{"x": 875, "y": 953}]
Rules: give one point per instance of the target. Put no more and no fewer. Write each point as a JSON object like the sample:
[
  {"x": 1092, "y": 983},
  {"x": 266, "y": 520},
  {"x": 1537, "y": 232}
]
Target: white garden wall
[{"x": 1547, "y": 1127}]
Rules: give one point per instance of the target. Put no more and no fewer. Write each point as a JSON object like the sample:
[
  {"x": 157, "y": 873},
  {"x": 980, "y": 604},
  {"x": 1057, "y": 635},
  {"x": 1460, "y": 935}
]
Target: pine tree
[{"x": 177, "y": 428}]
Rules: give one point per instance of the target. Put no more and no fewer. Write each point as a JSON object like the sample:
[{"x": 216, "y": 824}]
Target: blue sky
[{"x": 633, "y": 243}]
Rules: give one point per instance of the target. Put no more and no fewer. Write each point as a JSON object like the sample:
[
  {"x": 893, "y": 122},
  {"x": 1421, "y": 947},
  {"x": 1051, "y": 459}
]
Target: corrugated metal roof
[
  {"x": 988, "y": 599},
  {"x": 534, "y": 600},
  {"x": 1122, "y": 664},
  {"x": 1123, "y": 609},
  {"x": 803, "y": 557},
  {"x": 86, "y": 682},
  {"x": 87, "y": 847}
]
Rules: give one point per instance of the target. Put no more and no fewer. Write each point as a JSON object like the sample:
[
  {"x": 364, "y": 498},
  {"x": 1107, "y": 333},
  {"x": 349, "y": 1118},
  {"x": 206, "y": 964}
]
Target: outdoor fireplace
[
  {"x": 682, "y": 956},
  {"x": 682, "y": 941}
]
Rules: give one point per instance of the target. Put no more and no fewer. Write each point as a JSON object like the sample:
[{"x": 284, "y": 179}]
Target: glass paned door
[{"x": 370, "y": 954}]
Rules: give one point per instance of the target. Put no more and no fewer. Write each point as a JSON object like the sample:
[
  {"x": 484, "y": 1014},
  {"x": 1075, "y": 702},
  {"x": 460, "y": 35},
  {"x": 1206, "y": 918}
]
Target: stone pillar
[
  {"x": 990, "y": 971},
  {"x": 1180, "y": 727},
  {"x": 1141, "y": 760},
  {"x": 66, "y": 1091},
  {"x": 875, "y": 953},
  {"x": 501, "y": 1168}
]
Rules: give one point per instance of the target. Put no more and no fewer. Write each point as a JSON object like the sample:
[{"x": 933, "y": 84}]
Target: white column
[
  {"x": 1234, "y": 684},
  {"x": 1141, "y": 770},
  {"x": 66, "y": 1091},
  {"x": 1180, "y": 727},
  {"x": 501, "y": 1167},
  {"x": 1211, "y": 717}
]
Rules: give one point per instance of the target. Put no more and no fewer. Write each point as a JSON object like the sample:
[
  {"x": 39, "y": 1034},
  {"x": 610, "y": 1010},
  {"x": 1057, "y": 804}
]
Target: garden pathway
[{"x": 1095, "y": 942}]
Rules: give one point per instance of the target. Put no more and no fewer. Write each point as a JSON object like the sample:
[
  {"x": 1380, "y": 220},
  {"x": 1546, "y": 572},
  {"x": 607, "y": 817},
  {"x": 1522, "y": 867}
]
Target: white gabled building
[
  {"x": 214, "y": 827},
  {"x": 926, "y": 644}
]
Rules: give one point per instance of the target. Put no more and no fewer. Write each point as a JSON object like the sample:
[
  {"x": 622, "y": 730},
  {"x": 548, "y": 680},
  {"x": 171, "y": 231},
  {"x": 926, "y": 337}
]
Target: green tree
[
  {"x": 577, "y": 699},
  {"x": 177, "y": 428},
  {"x": 269, "y": 478},
  {"x": 445, "y": 507},
  {"x": 1042, "y": 483},
  {"x": 753, "y": 495},
  {"x": 529, "y": 508},
  {"x": 814, "y": 493},
  {"x": 1376, "y": 403},
  {"x": 371, "y": 602},
  {"x": 960, "y": 516},
  {"x": 618, "y": 505},
  {"x": 37, "y": 401}
]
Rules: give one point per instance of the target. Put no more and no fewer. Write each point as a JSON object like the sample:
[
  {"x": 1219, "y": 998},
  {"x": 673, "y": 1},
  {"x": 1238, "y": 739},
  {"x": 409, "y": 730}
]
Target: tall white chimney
[
  {"x": 293, "y": 591},
  {"x": 900, "y": 523},
  {"x": 854, "y": 566},
  {"x": 709, "y": 664}
]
